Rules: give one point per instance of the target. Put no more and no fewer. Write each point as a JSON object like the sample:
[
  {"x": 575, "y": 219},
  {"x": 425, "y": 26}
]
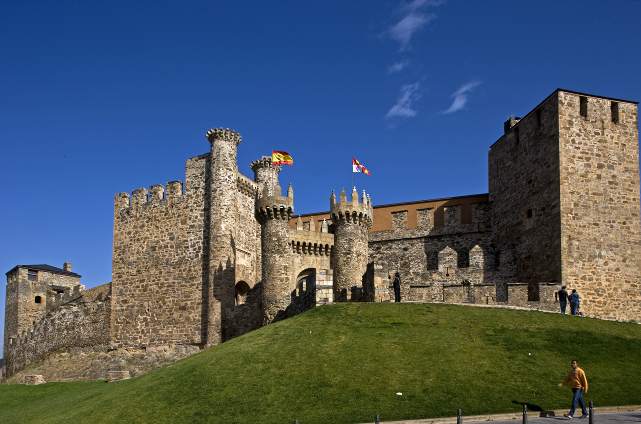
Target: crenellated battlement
[
  {"x": 275, "y": 206},
  {"x": 311, "y": 242},
  {"x": 246, "y": 186},
  {"x": 142, "y": 196},
  {"x": 224, "y": 134},
  {"x": 353, "y": 210},
  {"x": 265, "y": 162}
]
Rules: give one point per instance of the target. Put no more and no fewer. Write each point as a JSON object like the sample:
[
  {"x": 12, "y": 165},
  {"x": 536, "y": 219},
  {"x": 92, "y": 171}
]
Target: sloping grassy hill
[{"x": 345, "y": 363}]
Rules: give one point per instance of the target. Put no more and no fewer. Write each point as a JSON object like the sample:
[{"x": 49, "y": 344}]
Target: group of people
[{"x": 563, "y": 298}]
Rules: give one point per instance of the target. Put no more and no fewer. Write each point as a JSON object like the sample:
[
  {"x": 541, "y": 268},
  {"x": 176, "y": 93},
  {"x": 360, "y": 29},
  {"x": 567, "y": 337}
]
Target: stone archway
[
  {"x": 241, "y": 291},
  {"x": 304, "y": 295}
]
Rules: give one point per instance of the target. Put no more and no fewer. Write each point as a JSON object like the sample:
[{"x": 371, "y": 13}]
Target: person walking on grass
[
  {"x": 562, "y": 297},
  {"x": 575, "y": 302},
  {"x": 577, "y": 380}
]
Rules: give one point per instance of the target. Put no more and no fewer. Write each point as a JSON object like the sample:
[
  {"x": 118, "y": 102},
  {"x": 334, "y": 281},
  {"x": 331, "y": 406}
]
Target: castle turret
[
  {"x": 352, "y": 220},
  {"x": 265, "y": 174},
  {"x": 274, "y": 211},
  {"x": 222, "y": 226}
]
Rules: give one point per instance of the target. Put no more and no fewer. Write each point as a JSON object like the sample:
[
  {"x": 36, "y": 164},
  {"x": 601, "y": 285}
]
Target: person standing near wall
[
  {"x": 577, "y": 380},
  {"x": 575, "y": 302},
  {"x": 562, "y": 297},
  {"x": 397, "y": 287}
]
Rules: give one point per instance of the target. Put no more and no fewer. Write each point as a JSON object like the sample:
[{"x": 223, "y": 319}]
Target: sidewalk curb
[{"x": 510, "y": 416}]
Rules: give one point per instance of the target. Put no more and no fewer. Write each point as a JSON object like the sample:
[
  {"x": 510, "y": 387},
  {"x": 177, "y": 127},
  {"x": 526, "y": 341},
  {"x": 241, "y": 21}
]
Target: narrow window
[
  {"x": 539, "y": 118},
  {"x": 517, "y": 136},
  {"x": 497, "y": 259},
  {"x": 583, "y": 106},
  {"x": 32, "y": 275},
  {"x": 614, "y": 112},
  {"x": 529, "y": 213},
  {"x": 38, "y": 299}
]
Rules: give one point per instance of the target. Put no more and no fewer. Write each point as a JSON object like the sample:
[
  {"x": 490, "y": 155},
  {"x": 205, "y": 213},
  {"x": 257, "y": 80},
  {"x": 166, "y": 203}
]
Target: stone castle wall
[
  {"x": 158, "y": 265},
  {"x": 163, "y": 293},
  {"x": 600, "y": 232},
  {"x": 83, "y": 322},
  {"x": 193, "y": 267},
  {"x": 22, "y": 311},
  {"x": 524, "y": 193},
  {"x": 436, "y": 253}
]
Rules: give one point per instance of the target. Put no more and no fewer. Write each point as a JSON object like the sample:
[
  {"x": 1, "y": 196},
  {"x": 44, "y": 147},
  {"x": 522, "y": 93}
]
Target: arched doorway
[
  {"x": 241, "y": 291},
  {"x": 304, "y": 295}
]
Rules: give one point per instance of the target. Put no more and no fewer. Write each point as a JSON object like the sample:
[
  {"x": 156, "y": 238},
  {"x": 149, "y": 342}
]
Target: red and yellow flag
[
  {"x": 358, "y": 167},
  {"x": 280, "y": 157}
]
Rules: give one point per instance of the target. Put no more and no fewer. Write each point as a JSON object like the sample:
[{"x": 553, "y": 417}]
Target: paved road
[
  {"x": 607, "y": 415},
  {"x": 614, "y": 418}
]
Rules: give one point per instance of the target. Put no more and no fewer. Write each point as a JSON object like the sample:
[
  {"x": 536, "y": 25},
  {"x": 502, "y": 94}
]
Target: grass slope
[{"x": 344, "y": 364}]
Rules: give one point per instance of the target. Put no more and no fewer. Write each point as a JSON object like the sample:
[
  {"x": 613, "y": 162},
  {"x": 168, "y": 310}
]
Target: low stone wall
[
  {"x": 96, "y": 362},
  {"x": 81, "y": 323}
]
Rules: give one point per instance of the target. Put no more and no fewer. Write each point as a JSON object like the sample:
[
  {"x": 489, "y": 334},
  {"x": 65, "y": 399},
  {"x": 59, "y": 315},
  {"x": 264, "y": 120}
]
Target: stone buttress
[{"x": 352, "y": 220}]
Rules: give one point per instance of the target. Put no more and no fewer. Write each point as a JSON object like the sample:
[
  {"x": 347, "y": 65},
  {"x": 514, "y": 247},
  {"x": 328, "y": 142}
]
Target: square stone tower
[
  {"x": 564, "y": 187},
  {"x": 31, "y": 291}
]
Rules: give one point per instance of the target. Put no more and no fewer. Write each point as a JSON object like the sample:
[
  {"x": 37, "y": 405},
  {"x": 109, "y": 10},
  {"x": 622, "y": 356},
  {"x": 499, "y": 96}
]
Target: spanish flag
[
  {"x": 358, "y": 167},
  {"x": 280, "y": 157}
]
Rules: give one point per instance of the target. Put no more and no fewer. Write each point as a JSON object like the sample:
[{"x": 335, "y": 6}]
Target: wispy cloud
[
  {"x": 461, "y": 96},
  {"x": 404, "y": 106},
  {"x": 414, "y": 18},
  {"x": 397, "y": 66}
]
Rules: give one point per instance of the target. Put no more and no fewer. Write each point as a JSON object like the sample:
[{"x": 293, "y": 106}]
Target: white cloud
[
  {"x": 417, "y": 4},
  {"x": 461, "y": 96},
  {"x": 397, "y": 66},
  {"x": 414, "y": 18},
  {"x": 404, "y": 106}
]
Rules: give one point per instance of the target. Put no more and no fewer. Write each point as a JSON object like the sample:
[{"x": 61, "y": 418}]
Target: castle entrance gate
[{"x": 304, "y": 295}]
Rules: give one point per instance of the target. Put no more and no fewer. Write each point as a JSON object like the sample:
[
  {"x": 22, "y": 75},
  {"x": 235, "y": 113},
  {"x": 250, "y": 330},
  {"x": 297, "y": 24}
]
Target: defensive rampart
[{"x": 83, "y": 322}]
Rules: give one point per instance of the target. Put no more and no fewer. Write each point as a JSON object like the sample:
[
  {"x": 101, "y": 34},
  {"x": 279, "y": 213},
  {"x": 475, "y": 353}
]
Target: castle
[{"x": 198, "y": 263}]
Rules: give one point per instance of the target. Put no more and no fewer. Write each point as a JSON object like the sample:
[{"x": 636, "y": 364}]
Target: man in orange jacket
[{"x": 577, "y": 380}]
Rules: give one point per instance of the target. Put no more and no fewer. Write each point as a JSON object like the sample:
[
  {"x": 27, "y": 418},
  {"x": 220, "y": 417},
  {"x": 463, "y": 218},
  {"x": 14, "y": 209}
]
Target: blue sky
[{"x": 102, "y": 97}]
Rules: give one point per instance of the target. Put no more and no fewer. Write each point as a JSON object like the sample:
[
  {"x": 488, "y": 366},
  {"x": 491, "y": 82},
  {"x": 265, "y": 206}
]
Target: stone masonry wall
[
  {"x": 223, "y": 224},
  {"x": 524, "y": 194},
  {"x": 21, "y": 310},
  {"x": 246, "y": 313},
  {"x": 83, "y": 322},
  {"x": 158, "y": 262},
  {"x": 274, "y": 212},
  {"x": 350, "y": 258},
  {"x": 432, "y": 259},
  {"x": 352, "y": 220},
  {"x": 600, "y": 231}
]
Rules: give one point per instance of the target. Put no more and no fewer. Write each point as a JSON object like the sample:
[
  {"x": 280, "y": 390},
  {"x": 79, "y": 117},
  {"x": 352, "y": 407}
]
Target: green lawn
[{"x": 345, "y": 363}]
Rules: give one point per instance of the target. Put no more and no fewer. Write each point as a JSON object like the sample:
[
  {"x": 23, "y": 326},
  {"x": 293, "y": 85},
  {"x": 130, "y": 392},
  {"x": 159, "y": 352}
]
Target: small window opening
[
  {"x": 614, "y": 112},
  {"x": 38, "y": 299},
  {"x": 583, "y": 106},
  {"x": 517, "y": 135},
  {"x": 32, "y": 275},
  {"x": 529, "y": 213},
  {"x": 539, "y": 118}
]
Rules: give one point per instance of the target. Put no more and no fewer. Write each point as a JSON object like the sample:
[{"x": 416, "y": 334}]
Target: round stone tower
[
  {"x": 352, "y": 221},
  {"x": 223, "y": 171},
  {"x": 273, "y": 211},
  {"x": 265, "y": 174}
]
